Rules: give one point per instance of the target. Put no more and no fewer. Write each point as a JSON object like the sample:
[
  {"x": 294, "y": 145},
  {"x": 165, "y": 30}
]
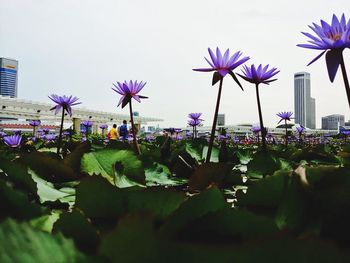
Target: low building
[{"x": 332, "y": 122}]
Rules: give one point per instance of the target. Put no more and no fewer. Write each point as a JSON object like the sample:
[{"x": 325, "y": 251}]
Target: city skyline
[{"x": 59, "y": 53}]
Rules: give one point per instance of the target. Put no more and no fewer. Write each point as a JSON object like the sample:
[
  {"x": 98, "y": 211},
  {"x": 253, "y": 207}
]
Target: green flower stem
[
  {"x": 212, "y": 135},
  {"x": 136, "y": 145},
  {"x": 345, "y": 77},
  {"x": 285, "y": 125},
  {"x": 60, "y": 134},
  {"x": 262, "y": 129}
]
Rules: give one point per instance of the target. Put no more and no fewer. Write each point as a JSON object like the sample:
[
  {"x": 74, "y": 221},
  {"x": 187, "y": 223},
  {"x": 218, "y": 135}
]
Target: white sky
[{"x": 79, "y": 47}]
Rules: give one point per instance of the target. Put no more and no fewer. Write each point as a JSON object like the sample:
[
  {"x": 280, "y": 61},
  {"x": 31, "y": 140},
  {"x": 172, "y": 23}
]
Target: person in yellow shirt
[{"x": 113, "y": 133}]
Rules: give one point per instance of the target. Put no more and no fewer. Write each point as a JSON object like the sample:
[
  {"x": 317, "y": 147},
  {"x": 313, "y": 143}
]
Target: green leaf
[
  {"x": 214, "y": 154},
  {"x": 262, "y": 164},
  {"x": 160, "y": 202},
  {"x": 76, "y": 226},
  {"x": 195, "y": 207},
  {"x": 16, "y": 204},
  {"x": 195, "y": 148},
  {"x": 133, "y": 240},
  {"x": 228, "y": 225},
  {"x": 315, "y": 155},
  {"x": 73, "y": 159},
  {"x": 244, "y": 155},
  {"x": 111, "y": 163},
  {"x": 294, "y": 209},
  {"x": 45, "y": 222},
  {"x": 264, "y": 195},
  {"x": 209, "y": 173},
  {"x": 159, "y": 174},
  {"x": 21, "y": 243},
  {"x": 99, "y": 199},
  {"x": 111, "y": 202},
  {"x": 49, "y": 168},
  {"x": 18, "y": 175},
  {"x": 48, "y": 192}
]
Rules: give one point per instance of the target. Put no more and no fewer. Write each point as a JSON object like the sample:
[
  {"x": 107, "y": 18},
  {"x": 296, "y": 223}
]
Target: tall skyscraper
[
  {"x": 221, "y": 119},
  {"x": 304, "y": 105},
  {"x": 8, "y": 77}
]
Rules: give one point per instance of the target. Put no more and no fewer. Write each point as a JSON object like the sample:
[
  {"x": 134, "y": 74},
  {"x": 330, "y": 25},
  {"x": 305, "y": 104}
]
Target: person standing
[
  {"x": 113, "y": 134},
  {"x": 123, "y": 130}
]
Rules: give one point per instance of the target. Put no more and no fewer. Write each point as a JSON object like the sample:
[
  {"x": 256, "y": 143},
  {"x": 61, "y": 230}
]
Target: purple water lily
[
  {"x": 345, "y": 132},
  {"x": 35, "y": 123},
  {"x": 13, "y": 141},
  {"x": 103, "y": 127},
  {"x": 65, "y": 103},
  {"x": 285, "y": 116},
  {"x": 50, "y": 137},
  {"x": 194, "y": 122},
  {"x": 44, "y": 131},
  {"x": 195, "y": 116},
  {"x": 66, "y": 134},
  {"x": 261, "y": 74},
  {"x": 300, "y": 130},
  {"x": 2, "y": 134},
  {"x": 222, "y": 65},
  {"x": 33, "y": 139},
  {"x": 256, "y": 128},
  {"x": 332, "y": 39},
  {"x": 130, "y": 90},
  {"x": 87, "y": 124},
  {"x": 258, "y": 75}
]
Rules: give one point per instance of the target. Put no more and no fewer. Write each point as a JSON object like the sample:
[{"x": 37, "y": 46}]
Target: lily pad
[{"x": 111, "y": 163}]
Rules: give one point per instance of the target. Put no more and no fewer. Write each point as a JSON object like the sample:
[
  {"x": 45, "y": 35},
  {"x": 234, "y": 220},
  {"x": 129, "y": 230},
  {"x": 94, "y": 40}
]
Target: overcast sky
[{"x": 79, "y": 47}]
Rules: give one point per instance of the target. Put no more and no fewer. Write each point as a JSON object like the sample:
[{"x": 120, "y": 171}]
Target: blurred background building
[
  {"x": 8, "y": 77},
  {"x": 333, "y": 122}
]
